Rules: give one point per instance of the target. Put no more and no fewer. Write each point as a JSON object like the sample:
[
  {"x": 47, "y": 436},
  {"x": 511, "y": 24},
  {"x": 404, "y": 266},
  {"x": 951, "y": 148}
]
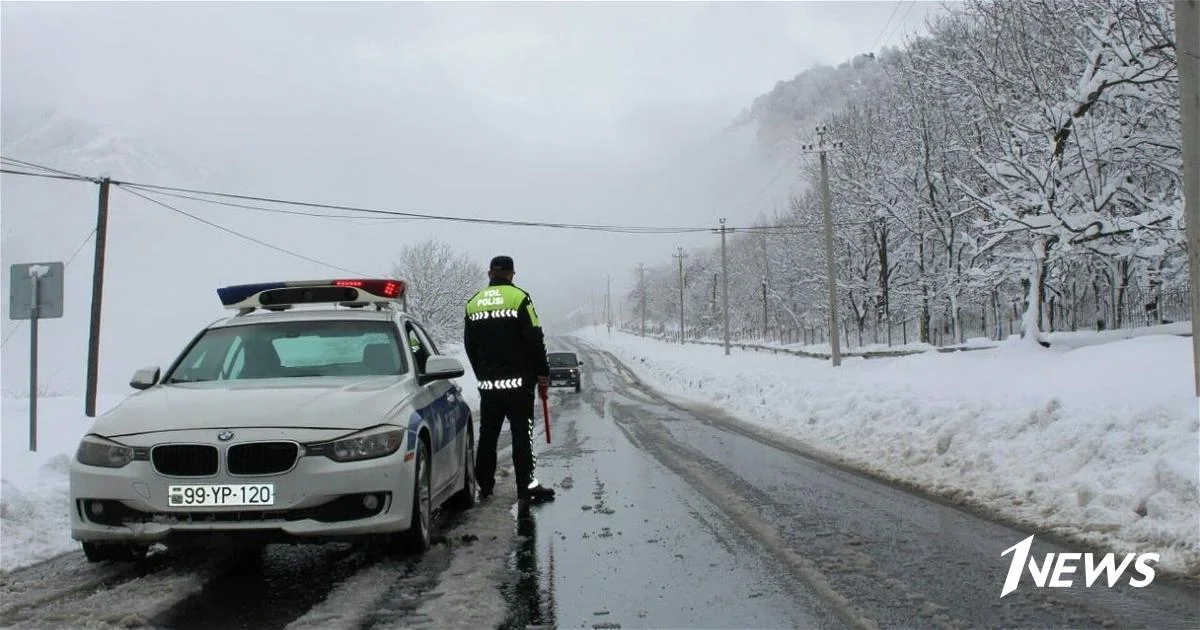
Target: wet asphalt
[{"x": 670, "y": 515}]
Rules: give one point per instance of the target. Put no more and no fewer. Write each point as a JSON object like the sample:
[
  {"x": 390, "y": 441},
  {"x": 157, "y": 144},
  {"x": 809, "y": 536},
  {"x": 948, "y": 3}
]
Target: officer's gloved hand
[{"x": 543, "y": 386}]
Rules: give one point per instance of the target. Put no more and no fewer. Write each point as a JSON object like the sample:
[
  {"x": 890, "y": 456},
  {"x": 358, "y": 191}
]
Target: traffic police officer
[{"x": 507, "y": 351}]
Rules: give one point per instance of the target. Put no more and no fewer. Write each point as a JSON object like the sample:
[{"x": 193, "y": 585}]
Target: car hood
[{"x": 333, "y": 403}]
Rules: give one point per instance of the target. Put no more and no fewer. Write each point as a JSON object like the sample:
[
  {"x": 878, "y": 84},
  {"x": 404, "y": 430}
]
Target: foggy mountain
[{"x": 162, "y": 268}]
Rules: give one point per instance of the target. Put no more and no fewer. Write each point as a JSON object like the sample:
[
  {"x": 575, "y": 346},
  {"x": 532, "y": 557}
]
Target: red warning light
[{"x": 382, "y": 288}]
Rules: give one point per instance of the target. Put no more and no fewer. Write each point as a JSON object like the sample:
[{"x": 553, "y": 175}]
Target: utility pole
[
  {"x": 830, "y": 265},
  {"x": 642, "y": 292},
  {"x": 724, "y": 282},
  {"x": 93, "y": 366},
  {"x": 766, "y": 278},
  {"x": 1187, "y": 33},
  {"x": 680, "y": 255},
  {"x": 764, "y": 296},
  {"x": 608, "y": 305}
]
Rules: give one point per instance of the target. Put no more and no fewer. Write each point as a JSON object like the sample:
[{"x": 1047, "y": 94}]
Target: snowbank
[
  {"x": 1063, "y": 339},
  {"x": 1099, "y": 442},
  {"x": 34, "y": 505}
]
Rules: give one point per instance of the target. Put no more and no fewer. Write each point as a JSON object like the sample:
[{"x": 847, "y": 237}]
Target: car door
[{"x": 441, "y": 412}]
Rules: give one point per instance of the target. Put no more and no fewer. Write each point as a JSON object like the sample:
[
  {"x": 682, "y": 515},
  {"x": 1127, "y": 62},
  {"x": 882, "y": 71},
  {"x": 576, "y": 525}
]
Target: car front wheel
[{"x": 416, "y": 539}]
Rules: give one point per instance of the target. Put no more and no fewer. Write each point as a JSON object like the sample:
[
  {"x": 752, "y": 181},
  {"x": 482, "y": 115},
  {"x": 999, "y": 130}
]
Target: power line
[
  {"x": 779, "y": 229},
  {"x": 222, "y": 198},
  {"x": 416, "y": 215},
  {"x": 42, "y": 167},
  {"x": 76, "y": 178},
  {"x": 895, "y": 8},
  {"x": 245, "y": 236},
  {"x": 900, "y": 24},
  {"x": 388, "y": 215},
  {"x": 243, "y": 206}
]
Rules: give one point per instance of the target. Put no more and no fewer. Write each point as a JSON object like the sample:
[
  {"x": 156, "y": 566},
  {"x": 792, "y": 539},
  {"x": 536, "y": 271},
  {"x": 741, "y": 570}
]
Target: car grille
[
  {"x": 261, "y": 458},
  {"x": 185, "y": 460}
]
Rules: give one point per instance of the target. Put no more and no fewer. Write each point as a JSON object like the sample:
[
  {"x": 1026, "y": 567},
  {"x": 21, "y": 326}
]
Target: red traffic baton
[{"x": 546, "y": 414}]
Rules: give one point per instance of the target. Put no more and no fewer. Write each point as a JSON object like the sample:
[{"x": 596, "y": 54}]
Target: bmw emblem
[{"x": 225, "y": 436}]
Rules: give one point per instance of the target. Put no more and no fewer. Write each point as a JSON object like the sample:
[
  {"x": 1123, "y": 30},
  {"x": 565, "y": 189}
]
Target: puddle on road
[{"x": 530, "y": 589}]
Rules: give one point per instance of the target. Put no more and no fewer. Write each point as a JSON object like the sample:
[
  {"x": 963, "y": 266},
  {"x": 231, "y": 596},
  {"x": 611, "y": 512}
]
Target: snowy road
[
  {"x": 670, "y": 515},
  {"x": 332, "y": 587}
]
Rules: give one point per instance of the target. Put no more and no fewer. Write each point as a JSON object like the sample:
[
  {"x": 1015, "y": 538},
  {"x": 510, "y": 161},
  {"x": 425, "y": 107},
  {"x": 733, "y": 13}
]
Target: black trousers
[{"x": 494, "y": 406}]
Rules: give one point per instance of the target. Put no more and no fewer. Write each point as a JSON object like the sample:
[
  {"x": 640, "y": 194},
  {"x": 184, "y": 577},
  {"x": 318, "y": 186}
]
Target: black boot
[{"x": 536, "y": 494}]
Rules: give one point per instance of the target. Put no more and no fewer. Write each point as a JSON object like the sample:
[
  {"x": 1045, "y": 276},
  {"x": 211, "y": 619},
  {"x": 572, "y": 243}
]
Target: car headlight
[
  {"x": 97, "y": 451},
  {"x": 366, "y": 445}
]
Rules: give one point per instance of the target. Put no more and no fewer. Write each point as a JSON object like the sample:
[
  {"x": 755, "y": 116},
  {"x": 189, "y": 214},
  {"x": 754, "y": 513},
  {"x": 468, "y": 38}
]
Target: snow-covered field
[
  {"x": 1096, "y": 441},
  {"x": 34, "y": 504}
]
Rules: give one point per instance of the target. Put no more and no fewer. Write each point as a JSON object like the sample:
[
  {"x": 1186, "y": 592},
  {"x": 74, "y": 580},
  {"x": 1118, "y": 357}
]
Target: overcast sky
[
  {"x": 543, "y": 111},
  {"x": 588, "y": 81}
]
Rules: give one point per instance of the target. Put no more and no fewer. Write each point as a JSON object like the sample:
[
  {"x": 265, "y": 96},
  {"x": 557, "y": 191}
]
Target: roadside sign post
[{"x": 35, "y": 292}]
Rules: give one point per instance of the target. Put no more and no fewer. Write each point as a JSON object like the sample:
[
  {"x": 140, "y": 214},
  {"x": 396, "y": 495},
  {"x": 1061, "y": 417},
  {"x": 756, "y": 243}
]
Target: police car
[{"x": 319, "y": 412}]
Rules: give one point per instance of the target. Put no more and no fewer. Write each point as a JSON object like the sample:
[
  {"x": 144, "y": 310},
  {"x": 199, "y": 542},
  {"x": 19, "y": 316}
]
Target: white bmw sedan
[{"x": 282, "y": 424}]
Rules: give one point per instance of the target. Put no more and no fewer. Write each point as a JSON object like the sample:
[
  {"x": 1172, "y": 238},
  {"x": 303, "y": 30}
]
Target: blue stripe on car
[{"x": 447, "y": 417}]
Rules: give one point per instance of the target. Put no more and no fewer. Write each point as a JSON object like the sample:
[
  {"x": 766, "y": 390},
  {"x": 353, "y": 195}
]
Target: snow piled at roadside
[
  {"x": 1099, "y": 442},
  {"x": 35, "y": 507}
]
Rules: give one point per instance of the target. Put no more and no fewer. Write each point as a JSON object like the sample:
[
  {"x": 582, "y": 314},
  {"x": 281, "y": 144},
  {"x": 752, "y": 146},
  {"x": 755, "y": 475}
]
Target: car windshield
[
  {"x": 292, "y": 349},
  {"x": 562, "y": 359}
]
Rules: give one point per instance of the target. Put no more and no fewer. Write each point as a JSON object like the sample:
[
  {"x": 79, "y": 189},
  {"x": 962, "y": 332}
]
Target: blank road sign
[{"x": 50, "y": 290}]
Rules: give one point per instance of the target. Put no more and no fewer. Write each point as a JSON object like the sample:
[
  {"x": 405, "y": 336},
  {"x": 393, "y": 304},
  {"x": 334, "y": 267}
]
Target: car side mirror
[
  {"x": 439, "y": 368},
  {"x": 145, "y": 378},
  {"x": 580, "y": 364}
]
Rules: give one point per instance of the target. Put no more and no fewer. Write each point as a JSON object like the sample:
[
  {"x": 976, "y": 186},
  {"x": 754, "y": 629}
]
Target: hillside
[{"x": 966, "y": 205}]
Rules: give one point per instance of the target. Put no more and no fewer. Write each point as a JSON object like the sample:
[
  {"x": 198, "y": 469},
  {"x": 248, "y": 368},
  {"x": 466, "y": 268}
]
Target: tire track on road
[
  {"x": 98, "y": 596},
  {"x": 745, "y": 506}
]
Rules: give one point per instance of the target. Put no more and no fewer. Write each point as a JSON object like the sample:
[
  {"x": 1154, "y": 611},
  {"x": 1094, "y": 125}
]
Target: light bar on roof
[{"x": 281, "y": 294}]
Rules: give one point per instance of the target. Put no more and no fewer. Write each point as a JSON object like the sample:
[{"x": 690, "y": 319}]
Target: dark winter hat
[{"x": 502, "y": 263}]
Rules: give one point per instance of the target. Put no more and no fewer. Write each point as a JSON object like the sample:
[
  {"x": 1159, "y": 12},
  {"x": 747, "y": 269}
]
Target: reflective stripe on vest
[
  {"x": 506, "y": 313},
  {"x": 503, "y": 383}
]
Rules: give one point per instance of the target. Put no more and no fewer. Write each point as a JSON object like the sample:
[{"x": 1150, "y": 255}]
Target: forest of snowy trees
[{"x": 1016, "y": 170}]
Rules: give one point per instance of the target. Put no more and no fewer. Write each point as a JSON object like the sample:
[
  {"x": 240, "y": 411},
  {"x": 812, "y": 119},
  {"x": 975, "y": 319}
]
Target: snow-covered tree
[
  {"x": 1019, "y": 162},
  {"x": 440, "y": 281}
]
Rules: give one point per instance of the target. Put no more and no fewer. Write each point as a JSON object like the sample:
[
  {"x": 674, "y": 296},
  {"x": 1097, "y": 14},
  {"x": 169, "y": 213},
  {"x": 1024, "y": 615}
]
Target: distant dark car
[{"x": 564, "y": 370}]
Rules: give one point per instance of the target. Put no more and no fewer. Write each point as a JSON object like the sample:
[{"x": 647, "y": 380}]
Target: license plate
[{"x": 221, "y": 495}]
